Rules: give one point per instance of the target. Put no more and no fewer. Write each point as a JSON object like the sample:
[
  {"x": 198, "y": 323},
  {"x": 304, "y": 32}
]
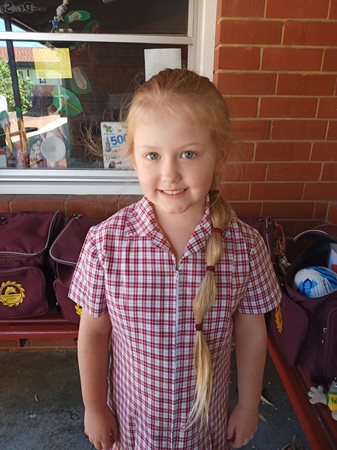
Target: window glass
[
  {"x": 101, "y": 16},
  {"x": 72, "y": 95}
]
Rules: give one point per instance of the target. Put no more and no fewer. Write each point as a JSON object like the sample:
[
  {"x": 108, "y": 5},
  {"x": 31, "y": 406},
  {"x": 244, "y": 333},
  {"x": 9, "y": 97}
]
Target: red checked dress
[{"x": 127, "y": 267}]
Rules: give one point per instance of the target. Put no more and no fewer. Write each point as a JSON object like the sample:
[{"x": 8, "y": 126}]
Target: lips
[{"x": 172, "y": 191}]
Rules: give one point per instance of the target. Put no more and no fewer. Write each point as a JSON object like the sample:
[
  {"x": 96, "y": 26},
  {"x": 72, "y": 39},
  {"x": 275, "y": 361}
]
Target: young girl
[{"x": 165, "y": 282}]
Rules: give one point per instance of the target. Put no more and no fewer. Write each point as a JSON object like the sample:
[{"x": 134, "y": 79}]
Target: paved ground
[{"x": 41, "y": 407}]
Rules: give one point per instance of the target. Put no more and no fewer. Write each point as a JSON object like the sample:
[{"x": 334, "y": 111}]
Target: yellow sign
[
  {"x": 52, "y": 62},
  {"x": 11, "y": 294}
]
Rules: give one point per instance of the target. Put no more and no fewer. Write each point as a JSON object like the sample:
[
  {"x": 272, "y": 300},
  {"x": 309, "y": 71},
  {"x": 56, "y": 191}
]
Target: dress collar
[{"x": 143, "y": 223}]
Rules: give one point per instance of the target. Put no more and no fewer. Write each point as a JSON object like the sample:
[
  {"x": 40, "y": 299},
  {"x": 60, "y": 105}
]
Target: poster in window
[{"x": 115, "y": 155}]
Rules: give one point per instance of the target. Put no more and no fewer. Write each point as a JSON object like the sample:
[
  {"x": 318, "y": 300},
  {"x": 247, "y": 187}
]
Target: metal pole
[
  {"x": 12, "y": 68},
  {"x": 21, "y": 158}
]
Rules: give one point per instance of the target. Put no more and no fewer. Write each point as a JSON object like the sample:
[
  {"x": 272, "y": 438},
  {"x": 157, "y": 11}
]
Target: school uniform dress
[{"x": 127, "y": 268}]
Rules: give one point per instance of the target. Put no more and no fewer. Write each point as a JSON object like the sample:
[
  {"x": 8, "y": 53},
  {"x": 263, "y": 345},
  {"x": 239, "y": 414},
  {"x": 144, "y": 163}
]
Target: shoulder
[{"x": 243, "y": 234}]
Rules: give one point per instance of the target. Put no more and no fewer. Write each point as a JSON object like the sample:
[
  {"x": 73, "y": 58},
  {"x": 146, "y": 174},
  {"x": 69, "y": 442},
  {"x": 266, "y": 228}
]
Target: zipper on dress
[
  {"x": 177, "y": 276},
  {"x": 174, "y": 411}
]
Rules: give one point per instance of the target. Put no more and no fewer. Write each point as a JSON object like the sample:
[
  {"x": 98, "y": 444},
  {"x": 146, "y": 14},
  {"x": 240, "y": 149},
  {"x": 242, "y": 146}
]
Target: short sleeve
[
  {"x": 263, "y": 293},
  {"x": 87, "y": 287}
]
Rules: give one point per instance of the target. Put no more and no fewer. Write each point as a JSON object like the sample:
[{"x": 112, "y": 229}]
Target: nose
[{"x": 170, "y": 170}]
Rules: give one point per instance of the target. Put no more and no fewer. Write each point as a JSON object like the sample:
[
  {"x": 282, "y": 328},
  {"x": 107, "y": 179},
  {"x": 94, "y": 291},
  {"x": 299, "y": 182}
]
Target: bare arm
[
  {"x": 251, "y": 343},
  {"x": 93, "y": 358}
]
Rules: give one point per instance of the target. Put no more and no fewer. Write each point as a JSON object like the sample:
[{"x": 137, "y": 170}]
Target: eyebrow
[{"x": 154, "y": 147}]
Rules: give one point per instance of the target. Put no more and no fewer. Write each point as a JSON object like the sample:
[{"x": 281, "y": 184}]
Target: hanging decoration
[
  {"x": 58, "y": 19},
  {"x": 66, "y": 102},
  {"x": 77, "y": 16}
]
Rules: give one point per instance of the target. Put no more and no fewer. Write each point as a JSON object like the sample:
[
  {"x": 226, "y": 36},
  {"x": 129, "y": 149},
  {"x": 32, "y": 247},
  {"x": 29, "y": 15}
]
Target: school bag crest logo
[
  {"x": 78, "y": 309},
  {"x": 11, "y": 293}
]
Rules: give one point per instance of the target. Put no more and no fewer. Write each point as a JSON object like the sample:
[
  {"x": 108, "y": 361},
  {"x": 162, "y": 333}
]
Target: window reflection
[
  {"x": 103, "y": 16},
  {"x": 71, "y": 118}
]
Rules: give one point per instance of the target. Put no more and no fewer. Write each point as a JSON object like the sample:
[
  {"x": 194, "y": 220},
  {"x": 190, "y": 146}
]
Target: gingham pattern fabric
[{"x": 127, "y": 267}]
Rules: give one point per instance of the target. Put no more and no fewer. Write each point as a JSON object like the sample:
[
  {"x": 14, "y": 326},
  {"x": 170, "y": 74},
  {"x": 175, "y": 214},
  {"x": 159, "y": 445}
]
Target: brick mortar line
[
  {"x": 306, "y": 119},
  {"x": 318, "y": 106},
  {"x": 276, "y": 19},
  {"x": 282, "y": 46},
  {"x": 264, "y": 182},
  {"x": 285, "y": 141},
  {"x": 273, "y": 71},
  {"x": 321, "y": 173},
  {"x": 282, "y": 33},
  {"x": 329, "y": 9},
  {"x": 293, "y": 97},
  {"x": 261, "y": 162}
]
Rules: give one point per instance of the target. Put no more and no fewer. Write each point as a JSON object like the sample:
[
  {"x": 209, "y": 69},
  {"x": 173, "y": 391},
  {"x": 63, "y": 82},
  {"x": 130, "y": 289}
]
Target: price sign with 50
[{"x": 117, "y": 139}]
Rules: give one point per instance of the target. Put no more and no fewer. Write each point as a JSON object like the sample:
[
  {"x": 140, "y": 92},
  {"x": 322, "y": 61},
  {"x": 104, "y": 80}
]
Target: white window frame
[{"x": 200, "y": 39}]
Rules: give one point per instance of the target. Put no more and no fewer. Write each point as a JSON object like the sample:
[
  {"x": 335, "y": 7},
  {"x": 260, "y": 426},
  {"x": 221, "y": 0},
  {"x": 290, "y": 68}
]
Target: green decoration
[
  {"x": 66, "y": 102},
  {"x": 77, "y": 16},
  {"x": 90, "y": 26},
  {"x": 80, "y": 83}
]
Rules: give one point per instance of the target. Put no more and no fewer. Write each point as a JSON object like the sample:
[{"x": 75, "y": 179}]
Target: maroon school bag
[
  {"x": 305, "y": 329},
  {"x": 65, "y": 252},
  {"x": 25, "y": 272},
  {"x": 273, "y": 236}
]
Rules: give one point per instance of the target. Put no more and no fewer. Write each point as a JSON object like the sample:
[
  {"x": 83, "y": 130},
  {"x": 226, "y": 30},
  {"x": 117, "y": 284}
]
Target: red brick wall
[
  {"x": 332, "y": 214},
  {"x": 276, "y": 64},
  {"x": 98, "y": 206}
]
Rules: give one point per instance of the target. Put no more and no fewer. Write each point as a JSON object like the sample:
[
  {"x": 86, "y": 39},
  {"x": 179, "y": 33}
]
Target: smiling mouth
[{"x": 173, "y": 192}]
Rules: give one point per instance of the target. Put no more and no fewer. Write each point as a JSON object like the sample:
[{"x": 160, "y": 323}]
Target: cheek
[{"x": 145, "y": 175}]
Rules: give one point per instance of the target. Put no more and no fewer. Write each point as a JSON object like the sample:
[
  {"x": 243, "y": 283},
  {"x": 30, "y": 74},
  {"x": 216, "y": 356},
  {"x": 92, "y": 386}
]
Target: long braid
[{"x": 220, "y": 216}]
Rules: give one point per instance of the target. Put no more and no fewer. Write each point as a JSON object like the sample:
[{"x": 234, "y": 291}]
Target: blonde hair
[{"x": 184, "y": 93}]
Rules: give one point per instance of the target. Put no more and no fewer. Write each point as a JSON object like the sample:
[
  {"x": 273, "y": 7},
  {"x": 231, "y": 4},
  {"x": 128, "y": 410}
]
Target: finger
[
  {"x": 106, "y": 445},
  {"x": 230, "y": 433},
  {"x": 235, "y": 442}
]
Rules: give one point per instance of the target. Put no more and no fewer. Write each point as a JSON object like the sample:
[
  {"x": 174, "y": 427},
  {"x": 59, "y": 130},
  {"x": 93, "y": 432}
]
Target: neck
[
  {"x": 185, "y": 221},
  {"x": 178, "y": 228}
]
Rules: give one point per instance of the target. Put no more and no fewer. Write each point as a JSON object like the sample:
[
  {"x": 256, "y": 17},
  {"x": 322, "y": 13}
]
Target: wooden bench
[
  {"x": 49, "y": 326},
  {"x": 316, "y": 421}
]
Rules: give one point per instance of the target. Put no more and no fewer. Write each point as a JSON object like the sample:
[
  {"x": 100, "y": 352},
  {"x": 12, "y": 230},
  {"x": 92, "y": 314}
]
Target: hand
[
  {"x": 242, "y": 425},
  {"x": 100, "y": 426}
]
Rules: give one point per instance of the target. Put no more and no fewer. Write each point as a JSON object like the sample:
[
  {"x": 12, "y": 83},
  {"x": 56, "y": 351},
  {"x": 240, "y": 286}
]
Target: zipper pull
[{"x": 324, "y": 334}]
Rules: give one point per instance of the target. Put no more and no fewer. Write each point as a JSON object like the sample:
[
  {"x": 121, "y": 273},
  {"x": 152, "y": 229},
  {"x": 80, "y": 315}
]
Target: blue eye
[
  {"x": 188, "y": 154},
  {"x": 152, "y": 156}
]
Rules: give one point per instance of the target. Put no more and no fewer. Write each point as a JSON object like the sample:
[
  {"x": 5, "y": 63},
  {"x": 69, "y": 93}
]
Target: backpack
[
  {"x": 25, "y": 270},
  {"x": 305, "y": 329},
  {"x": 273, "y": 236},
  {"x": 64, "y": 253}
]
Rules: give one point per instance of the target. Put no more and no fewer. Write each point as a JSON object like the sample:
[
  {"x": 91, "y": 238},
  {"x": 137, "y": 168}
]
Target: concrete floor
[{"x": 41, "y": 407}]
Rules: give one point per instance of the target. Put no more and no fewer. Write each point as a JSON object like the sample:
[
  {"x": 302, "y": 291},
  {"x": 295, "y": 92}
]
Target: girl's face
[{"x": 175, "y": 161}]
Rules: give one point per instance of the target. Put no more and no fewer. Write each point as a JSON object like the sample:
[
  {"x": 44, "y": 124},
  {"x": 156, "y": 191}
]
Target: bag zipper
[
  {"x": 15, "y": 254},
  {"x": 63, "y": 261},
  {"x": 326, "y": 341}
]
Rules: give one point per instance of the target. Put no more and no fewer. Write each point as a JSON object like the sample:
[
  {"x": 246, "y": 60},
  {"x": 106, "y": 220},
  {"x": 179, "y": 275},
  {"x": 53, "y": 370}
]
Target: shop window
[{"x": 74, "y": 78}]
